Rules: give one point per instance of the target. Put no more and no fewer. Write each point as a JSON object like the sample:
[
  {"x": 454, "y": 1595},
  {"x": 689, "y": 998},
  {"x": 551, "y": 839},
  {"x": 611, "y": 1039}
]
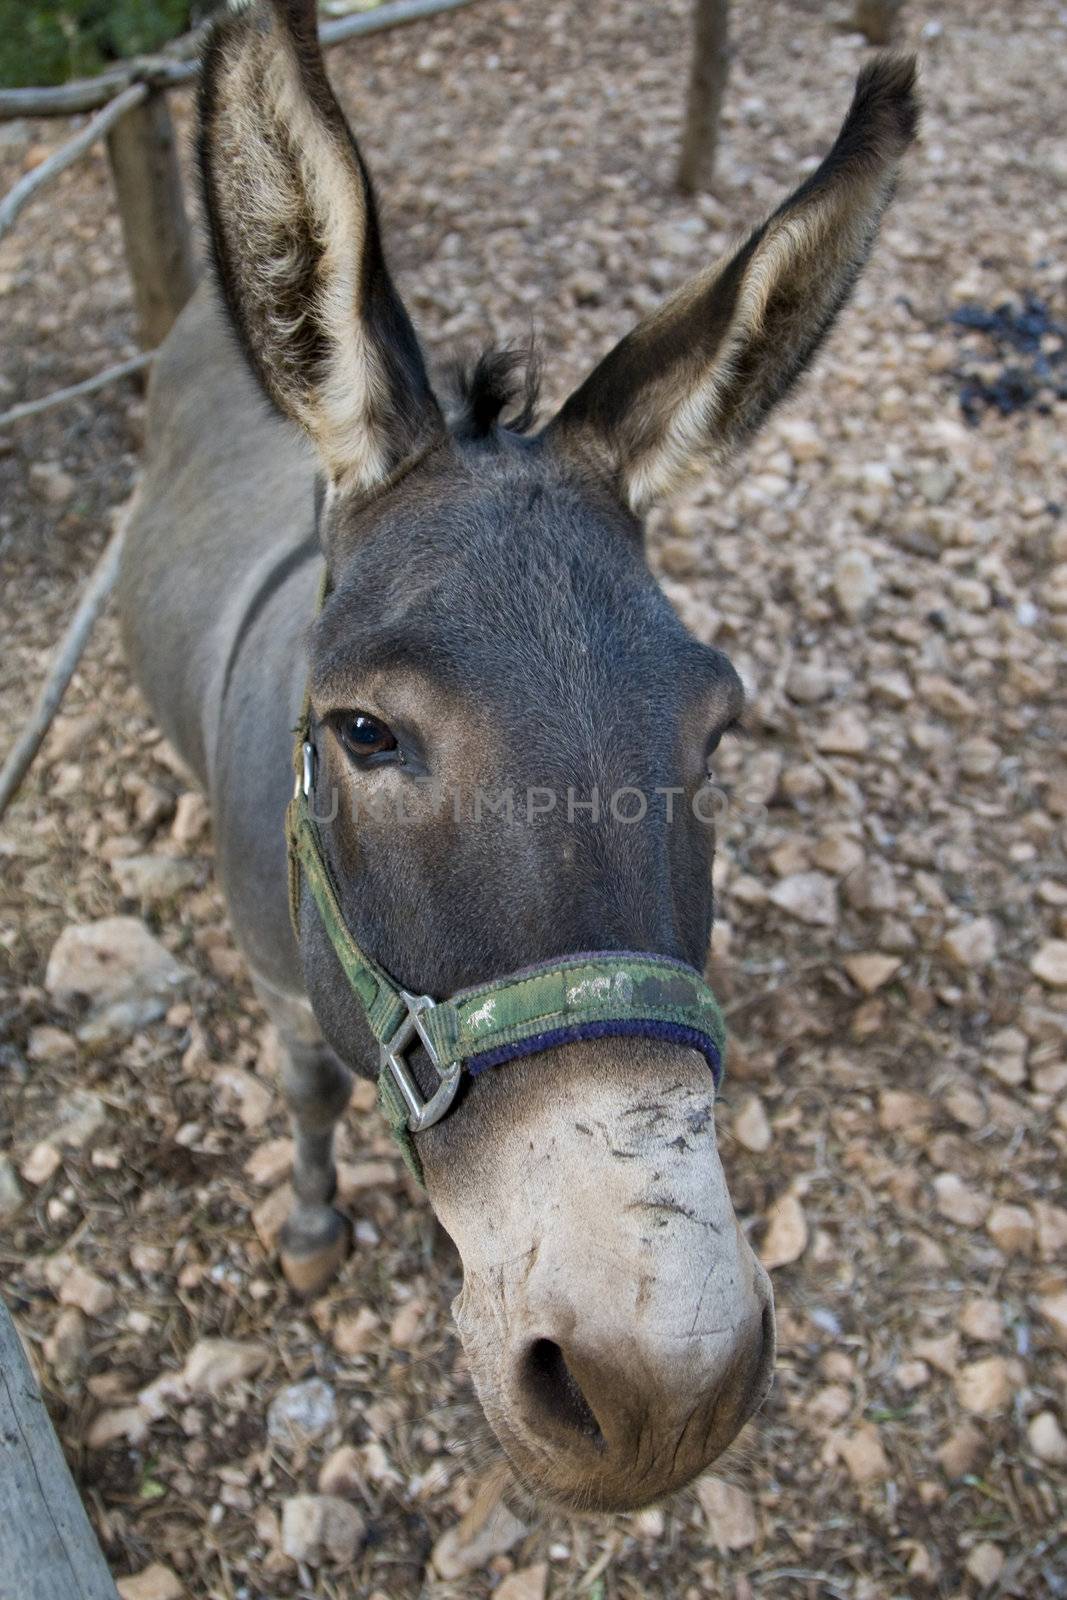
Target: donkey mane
[{"x": 482, "y": 390}]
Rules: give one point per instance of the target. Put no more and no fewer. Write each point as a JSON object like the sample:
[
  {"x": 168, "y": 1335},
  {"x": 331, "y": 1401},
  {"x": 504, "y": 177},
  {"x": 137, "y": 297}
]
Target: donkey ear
[
  {"x": 297, "y": 247},
  {"x": 690, "y": 383}
]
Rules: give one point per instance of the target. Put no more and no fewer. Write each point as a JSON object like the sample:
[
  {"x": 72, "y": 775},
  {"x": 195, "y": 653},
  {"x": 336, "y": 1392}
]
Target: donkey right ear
[{"x": 294, "y": 231}]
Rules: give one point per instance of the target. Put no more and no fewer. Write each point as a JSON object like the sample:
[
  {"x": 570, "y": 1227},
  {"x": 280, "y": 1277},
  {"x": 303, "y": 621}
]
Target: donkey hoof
[{"x": 309, "y": 1261}]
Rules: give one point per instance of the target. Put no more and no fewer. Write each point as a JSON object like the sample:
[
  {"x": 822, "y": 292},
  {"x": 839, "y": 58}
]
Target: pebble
[
  {"x": 156, "y": 1582},
  {"x": 354, "y": 1334},
  {"x": 321, "y": 1529},
  {"x": 42, "y": 1163},
  {"x": 10, "y": 1189},
  {"x": 86, "y": 1291},
  {"x": 52, "y": 482},
  {"x": 985, "y": 1563},
  {"x": 847, "y": 734},
  {"x": 751, "y": 1128},
  {"x": 465, "y": 1549},
  {"x": 729, "y": 1515},
  {"x": 958, "y": 1203},
  {"x": 1053, "y": 1308},
  {"x": 982, "y": 1320},
  {"x": 863, "y": 1454},
  {"x": 529, "y": 1583},
  {"x": 342, "y": 1473},
  {"x": 871, "y": 971},
  {"x": 985, "y": 1387},
  {"x": 811, "y": 897},
  {"x": 49, "y": 1045},
  {"x": 111, "y": 960},
  {"x": 406, "y": 1324},
  {"x": 152, "y": 880},
  {"x": 1050, "y": 964},
  {"x": 855, "y": 582},
  {"x": 971, "y": 944},
  {"x": 1011, "y": 1229},
  {"x": 961, "y": 1451},
  {"x": 1047, "y": 1439},
  {"x": 786, "y": 1237},
  {"x": 302, "y": 1412},
  {"x": 191, "y": 819},
  {"x": 214, "y": 1365}
]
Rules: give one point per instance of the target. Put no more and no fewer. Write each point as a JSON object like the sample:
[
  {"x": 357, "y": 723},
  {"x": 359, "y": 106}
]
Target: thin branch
[
  {"x": 179, "y": 64},
  {"x": 59, "y": 397},
  {"x": 68, "y": 153},
  {"x": 62, "y": 668}
]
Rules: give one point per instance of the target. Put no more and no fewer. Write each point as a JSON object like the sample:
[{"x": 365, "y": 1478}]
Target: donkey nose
[{"x": 625, "y": 1424}]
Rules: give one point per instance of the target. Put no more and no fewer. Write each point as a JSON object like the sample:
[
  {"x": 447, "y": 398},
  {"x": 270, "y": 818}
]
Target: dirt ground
[{"x": 888, "y": 570}]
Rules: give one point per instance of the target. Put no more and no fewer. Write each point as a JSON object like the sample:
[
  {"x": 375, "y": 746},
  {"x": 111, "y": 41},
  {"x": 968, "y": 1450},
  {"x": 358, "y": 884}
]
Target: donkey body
[{"x": 490, "y": 625}]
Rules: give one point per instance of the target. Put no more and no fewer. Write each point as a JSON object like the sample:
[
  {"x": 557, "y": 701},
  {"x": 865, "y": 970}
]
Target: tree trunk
[
  {"x": 144, "y": 165},
  {"x": 877, "y": 19},
  {"x": 707, "y": 82}
]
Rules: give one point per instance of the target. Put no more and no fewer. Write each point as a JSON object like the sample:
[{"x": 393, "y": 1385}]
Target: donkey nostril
[{"x": 555, "y": 1391}]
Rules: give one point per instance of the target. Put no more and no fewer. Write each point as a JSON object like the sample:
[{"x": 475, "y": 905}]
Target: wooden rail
[{"x": 48, "y": 1550}]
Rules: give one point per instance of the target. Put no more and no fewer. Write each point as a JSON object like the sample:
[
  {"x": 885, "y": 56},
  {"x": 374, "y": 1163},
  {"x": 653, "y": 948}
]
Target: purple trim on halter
[{"x": 631, "y": 1027}]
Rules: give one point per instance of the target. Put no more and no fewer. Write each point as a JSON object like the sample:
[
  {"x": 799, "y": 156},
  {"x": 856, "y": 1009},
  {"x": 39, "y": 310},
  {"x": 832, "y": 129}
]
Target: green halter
[{"x": 586, "y": 996}]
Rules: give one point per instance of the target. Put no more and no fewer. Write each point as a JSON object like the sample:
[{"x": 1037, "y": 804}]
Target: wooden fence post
[
  {"x": 48, "y": 1550},
  {"x": 148, "y": 184}
]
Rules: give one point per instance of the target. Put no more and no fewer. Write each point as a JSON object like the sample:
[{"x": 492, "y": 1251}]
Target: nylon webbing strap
[{"x": 599, "y": 995}]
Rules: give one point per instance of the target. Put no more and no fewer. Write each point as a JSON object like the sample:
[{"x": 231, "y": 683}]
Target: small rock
[
  {"x": 302, "y": 1412},
  {"x": 1050, "y": 964},
  {"x": 120, "y": 1021},
  {"x": 863, "y": 1455},
  {"x": 66, "y": 1349},
  {"x": 213, "y": 1365},
  {"x": 978, "y": 757},
  {"x": 49, "y": 1045},
  {"x": 85, "y": 1290},
  {"x": 786, "y": 1238},
  {"x": 811, "y": 897},
  {"x": 269, "y": 1216},
  {"x": 984, "y": 1563},
  {"x": 77, "y": 1117},
  {"x": 985, "y": 1387},
  {"x": 946, "y": 699},
  {"x": 115, "y": 959},
  {"x": 529, "y": 1583},
  {"x": 119, "y": 1422},
  {"x": 10, "y": 1189},
  {"x": 153, "y": 879},
  {"x": 191, "y": 818},
  {"x": 982, "y": 1320},
  {"x": 943, "y": 1353},
  {"x": 154, "y": 1583},
  {"x": 52, "y": 482},
  {"x": 250, "y": 1095},
  {"x": 730, "y": 1515},
  {"x": 971, "y": 944},
  {"x": 958, "y": 1203},
  {"x": 1051, "y": 1224},
  {"x": 911, "y": 1375},
  {"x": 847, "y": 734},
  {"x": 404, "y": 1329},
  {"x": 270, "y": 1162},
  {"x": 960, "y": 1452},
  {"x": 40, "y": 1164},
  {"x": 1011, "y": 1229},
  {"x": 342, "y": 1473},
  {"x": 871, "y": 971},
  {"x": 751, "y": 1128},
  {"x": 1047, "y": 1439},
  {"x": 353, "y": 1335},
  {"x": 321, "y": 1529},
  {"x": 1054, "y": 1310},
  {"x": 473, "y": 1542},
  {"x": 855, "y": 582}
]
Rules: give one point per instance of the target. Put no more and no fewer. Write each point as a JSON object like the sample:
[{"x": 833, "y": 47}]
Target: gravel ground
[{"x": 888, "y": 569}]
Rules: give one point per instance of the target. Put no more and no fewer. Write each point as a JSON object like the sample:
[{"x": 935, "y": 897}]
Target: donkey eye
[{"x": 364, "y": 736}]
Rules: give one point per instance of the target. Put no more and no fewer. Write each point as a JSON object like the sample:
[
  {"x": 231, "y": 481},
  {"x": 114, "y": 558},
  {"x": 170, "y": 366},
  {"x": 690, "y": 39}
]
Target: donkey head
[{"x": 518, "y": 730}]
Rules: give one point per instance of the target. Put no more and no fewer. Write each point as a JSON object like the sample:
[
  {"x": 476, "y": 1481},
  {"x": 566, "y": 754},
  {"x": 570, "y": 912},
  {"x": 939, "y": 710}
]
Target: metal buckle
[
  {"x": 307, "y": 776},
  {"x": 421, "y": 1113}
]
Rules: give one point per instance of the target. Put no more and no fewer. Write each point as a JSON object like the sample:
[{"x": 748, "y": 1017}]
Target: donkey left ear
[
  {"x": 298, "y": 252},
  {"x": 695, "y": 379}
]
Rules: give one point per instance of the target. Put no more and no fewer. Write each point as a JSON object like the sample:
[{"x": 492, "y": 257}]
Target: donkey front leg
[{"x": 317, "y": 1085}]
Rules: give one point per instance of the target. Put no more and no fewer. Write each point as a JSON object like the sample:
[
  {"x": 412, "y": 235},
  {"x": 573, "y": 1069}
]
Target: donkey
[{"x": 465, "y": 603}]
